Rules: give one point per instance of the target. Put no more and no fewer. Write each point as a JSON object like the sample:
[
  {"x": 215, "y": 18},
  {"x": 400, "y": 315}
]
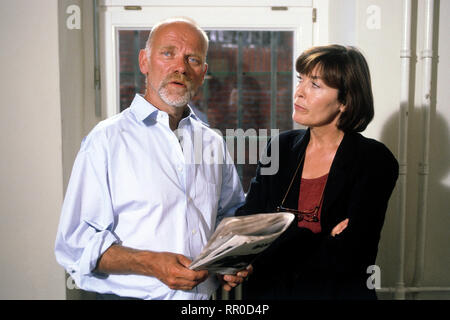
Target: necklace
[{"x": 309, "y": 215}]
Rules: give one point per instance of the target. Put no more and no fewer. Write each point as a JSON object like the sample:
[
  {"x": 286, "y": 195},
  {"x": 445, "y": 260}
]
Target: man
[{"x": 140, "y": 205}]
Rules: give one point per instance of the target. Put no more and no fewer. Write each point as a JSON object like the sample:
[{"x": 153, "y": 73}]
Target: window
[{"x": 250, "y": 79}]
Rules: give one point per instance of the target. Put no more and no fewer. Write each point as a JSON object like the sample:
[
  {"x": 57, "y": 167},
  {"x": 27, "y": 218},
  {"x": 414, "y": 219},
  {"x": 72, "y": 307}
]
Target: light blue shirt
[{"x": 134, "y": 183}]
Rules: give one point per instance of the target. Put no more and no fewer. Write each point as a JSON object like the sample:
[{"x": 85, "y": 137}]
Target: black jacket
[{"x": 304, "y": 265}]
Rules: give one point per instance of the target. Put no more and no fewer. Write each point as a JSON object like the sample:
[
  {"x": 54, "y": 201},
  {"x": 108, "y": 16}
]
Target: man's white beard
[{"x": 174, "y": 100}]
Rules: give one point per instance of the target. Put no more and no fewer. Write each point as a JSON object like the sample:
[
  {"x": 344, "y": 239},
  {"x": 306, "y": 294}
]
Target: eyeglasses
[{"x": 311, "y": 215}]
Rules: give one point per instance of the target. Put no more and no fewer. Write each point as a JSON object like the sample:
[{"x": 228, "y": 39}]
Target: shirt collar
[
  {"x": 143, "y": 109},
  {"x": 190, "y": 114}
]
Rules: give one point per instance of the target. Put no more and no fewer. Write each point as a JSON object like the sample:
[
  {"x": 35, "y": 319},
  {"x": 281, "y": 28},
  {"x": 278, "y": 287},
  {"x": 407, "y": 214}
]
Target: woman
[{"x": 336, "y": 181}]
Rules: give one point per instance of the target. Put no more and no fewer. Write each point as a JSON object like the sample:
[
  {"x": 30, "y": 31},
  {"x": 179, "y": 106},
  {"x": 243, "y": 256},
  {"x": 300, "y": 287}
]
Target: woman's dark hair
[{"x": 345, "y": 69}]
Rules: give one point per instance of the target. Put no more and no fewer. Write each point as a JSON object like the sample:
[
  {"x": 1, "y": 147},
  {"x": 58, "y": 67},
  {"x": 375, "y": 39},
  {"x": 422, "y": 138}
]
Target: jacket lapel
[
  {"x": 297, "y": 150},
  {"x": 340, "y": 171}
]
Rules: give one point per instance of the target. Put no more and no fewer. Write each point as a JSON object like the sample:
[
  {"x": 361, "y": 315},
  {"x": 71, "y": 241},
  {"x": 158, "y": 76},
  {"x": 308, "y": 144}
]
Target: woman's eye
[{"x": 315, "y": 85}]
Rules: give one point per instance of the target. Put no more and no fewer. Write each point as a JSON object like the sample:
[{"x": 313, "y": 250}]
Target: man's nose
[{"x": 180, "y": 65}]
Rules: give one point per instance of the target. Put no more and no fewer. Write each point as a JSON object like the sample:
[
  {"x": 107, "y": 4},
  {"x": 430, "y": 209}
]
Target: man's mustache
[{"x": 180, "y": 78}]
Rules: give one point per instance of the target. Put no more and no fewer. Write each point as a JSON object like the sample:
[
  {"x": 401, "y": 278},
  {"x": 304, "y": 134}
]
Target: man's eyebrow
[
  {"x": 193, "y": 53},
  {"x": 167, "y": 47}
]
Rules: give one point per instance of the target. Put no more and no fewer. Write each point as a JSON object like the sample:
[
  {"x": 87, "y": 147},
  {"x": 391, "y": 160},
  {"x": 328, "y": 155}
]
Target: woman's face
[{"x": 315, "y": 103}]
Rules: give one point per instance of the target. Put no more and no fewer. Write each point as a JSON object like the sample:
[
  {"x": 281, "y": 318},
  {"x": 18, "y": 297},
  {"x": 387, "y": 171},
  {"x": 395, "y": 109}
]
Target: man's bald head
[{"x": 177, "y": 20}]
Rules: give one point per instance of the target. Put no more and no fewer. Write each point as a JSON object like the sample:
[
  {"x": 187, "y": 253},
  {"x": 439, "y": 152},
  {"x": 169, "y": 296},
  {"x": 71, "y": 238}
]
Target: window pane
[{"x": 131, "y": 80}]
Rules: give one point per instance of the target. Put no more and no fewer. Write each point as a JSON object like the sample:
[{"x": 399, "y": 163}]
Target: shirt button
[
  {"x": 180, "y": 168},
  {"x": 194, "y": 231}
]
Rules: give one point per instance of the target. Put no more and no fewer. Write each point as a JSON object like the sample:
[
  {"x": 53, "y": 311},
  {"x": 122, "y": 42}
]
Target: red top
[{"x": 310, "y": 195}]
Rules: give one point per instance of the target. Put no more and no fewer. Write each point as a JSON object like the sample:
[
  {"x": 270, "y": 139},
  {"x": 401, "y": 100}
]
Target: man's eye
[
  {"x": 167, "y": 53},
  {"x": 194, "y": 60},
  {"x": 315, "y": 85}
]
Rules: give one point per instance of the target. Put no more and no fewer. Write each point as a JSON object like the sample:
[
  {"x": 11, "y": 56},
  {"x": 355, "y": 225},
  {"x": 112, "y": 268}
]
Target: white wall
[
  {"x": 342, "y": 22},
  {"x": 381, "y": 44},
  {"x": 76, "y": 53},
  {"x": 437, "y": 257},
  {"x": 30, "y": 141}
]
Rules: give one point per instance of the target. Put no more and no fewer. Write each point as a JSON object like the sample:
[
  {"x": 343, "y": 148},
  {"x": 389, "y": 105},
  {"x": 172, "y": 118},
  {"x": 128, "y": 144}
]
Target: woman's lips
[{"x": 300, "y": 108}]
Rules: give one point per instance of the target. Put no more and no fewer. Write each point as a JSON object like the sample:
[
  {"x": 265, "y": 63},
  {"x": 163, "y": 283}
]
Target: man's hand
[
  {"x": 230, "y": 281},
  {"x": 170, "y": 268}
]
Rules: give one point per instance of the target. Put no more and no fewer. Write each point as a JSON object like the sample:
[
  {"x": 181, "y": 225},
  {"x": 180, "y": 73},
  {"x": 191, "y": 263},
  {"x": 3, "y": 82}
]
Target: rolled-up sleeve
[{"x": 86, "y": 226}]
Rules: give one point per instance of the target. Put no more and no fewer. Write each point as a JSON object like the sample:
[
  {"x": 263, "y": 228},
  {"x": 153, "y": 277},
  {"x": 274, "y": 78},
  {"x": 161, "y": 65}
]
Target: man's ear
[
  {"x": 143, "y": 61},
  {"x": 204, "y": 72}
]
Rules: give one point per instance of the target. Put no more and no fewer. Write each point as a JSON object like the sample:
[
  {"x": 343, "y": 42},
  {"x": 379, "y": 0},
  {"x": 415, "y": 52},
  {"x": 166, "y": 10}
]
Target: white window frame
[{"x": 209, "y": 14}]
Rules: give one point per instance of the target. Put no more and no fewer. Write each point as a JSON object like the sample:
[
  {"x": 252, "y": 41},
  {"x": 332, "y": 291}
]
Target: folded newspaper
[{"x": 238, "y": 240}]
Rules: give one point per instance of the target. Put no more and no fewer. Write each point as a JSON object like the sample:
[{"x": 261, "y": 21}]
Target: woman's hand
[
  {"x": 231, "y": 281},
  {"x": 339, "y": 227}
]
